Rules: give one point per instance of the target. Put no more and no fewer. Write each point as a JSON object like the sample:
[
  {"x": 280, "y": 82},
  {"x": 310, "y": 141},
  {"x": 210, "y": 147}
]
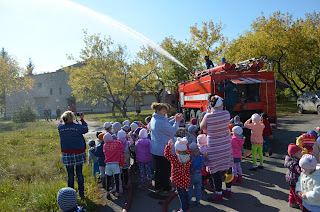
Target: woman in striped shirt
[{"x": 220, "y": 157}]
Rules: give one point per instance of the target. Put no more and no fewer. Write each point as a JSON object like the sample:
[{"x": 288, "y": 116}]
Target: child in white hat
[
  {"x": 308, "y": 185},
  {"x": 256, "y": 139},
  {"x": 180, "y": 169}
]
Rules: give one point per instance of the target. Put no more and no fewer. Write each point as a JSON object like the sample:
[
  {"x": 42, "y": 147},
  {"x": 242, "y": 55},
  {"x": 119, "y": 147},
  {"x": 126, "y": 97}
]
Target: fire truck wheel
[
  {"x": 318, "y": 110},
  {"x": 301, "y": 110}
]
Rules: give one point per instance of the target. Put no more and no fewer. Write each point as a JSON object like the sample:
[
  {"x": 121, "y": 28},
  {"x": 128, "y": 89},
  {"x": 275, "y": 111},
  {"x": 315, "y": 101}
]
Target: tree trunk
[
  {"x": 124, "y": 110},
  {"x": 158, "y": 95},
  {"x": 112, "y": 110},
  {"x": 286, "y": 79}
]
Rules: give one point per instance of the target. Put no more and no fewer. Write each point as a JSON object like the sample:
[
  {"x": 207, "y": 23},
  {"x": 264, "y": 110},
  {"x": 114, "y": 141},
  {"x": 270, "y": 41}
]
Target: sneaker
[
  {"x": 260, "y": 166},
  {"x": 217, "y": 198},
  {"x": 264, "y": 154},
  {"x": 294, "y": 205},
  {"x": 253, "y": 169},
  {"x": 239, "y": 179},
  {"x": 270, "y": 152},
  {"x": 141, "y": 186},
  {"x": 204, "y": 191},
  {"x": 227, "y": 193}
]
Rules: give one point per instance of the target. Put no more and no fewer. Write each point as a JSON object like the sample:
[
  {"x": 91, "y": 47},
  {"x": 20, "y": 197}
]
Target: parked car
[{"x": 309, "y": 101}]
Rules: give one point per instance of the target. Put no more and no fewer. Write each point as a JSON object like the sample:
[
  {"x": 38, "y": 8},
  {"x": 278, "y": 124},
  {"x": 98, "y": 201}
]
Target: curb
[{"x": 168, "y": 200}]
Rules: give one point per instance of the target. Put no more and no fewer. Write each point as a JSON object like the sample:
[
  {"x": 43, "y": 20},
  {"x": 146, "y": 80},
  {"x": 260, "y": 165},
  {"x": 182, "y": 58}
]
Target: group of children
[
  {"x": 124, "y": 145},
  {"x": 303, "y": 175},
  {"x": 120, "y": 147}
]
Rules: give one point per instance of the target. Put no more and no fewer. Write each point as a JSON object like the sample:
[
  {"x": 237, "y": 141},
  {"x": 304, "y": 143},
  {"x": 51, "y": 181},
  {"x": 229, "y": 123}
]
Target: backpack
[{"x": 308, "y": 142}]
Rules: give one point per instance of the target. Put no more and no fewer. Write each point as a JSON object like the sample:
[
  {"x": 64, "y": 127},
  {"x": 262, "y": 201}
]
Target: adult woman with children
[
  {"x": 73, "y": 148},
  {"x": 220, "y": 157},
  {"x": 161, "y": 132}
]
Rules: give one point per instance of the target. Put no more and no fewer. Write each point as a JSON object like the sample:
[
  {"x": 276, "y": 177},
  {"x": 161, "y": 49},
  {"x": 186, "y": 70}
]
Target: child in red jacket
[
  {"x": 267, "y": 134},
  {"x": 112, "y": 149},
  {"x": 180, "y": 169}
]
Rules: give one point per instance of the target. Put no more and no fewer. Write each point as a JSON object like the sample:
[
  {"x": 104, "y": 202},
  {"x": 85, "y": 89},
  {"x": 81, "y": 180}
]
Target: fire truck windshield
[{"x": 248, "y": 93}]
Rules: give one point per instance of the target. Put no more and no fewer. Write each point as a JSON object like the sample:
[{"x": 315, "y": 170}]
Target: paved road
[{"x": 264, "y": 190}]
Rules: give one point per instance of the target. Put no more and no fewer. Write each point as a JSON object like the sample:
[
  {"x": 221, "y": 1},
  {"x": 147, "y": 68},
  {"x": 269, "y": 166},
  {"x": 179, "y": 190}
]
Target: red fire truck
[{"x": 256, "y": 90}]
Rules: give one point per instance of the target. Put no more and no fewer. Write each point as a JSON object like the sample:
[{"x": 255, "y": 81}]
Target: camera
[{"x": 79, "y": 113}]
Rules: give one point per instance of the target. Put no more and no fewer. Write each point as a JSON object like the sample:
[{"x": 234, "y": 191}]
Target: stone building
[{"x": 52, "y": 89}]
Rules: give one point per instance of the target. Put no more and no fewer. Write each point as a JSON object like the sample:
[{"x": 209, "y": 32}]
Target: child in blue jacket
[{"x": 99, "y": 153}]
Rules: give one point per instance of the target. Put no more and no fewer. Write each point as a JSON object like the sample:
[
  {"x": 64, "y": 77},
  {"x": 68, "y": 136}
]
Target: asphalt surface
[{"x": 262, "y": 190}]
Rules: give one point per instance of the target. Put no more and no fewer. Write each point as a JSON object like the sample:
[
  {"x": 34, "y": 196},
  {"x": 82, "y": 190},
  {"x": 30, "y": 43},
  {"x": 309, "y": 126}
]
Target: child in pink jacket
[
  {"x": 114, "y": 160},
  {"x": 256, "y": 139},
  {"x": 237, "y": 140}
]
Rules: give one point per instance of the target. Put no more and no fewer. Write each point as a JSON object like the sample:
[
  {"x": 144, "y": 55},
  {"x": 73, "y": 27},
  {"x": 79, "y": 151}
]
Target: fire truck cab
[{"x": 256, "y": 90}]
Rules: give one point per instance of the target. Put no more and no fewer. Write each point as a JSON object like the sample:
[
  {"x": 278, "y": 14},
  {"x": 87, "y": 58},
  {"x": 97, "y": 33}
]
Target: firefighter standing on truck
[
  {"x": 209, "y": 63},
  {"x": 231, "y": 97}
]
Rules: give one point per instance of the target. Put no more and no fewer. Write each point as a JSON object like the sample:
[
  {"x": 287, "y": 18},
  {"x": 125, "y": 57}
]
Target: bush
[{"x": 25, "y": 114}]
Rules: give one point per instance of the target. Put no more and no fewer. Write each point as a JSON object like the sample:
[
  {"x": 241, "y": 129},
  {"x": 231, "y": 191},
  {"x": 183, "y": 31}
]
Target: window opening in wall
[{"x": 51, "y": 91}]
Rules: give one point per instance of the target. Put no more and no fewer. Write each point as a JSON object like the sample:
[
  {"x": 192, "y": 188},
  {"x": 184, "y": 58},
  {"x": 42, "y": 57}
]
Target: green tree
[
  {"x": 106, "y": 74},
  {"x": 149, "y": 63},
  {"x": 292, "y": 47},
  {"x": 209, "y": 39},
  {"x": 186, "y": 53},
  {"x": 12, "y": 77}
]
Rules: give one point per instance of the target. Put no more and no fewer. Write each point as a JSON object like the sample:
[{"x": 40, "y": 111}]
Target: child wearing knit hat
[
  {"x": 202, "y": 142},
  {"x": 123, "y": 138},
  {"x": 195, "y": 173},
  {"x": 108, "y": 127},
  {"x": 180, "y": 169},
  {"x": 114, "y": 160},
  {"x": 308, "y": 185},
  {"x": 192, "y": 134},
  {"x": 92, "y": 159},
  {"x": 67, "y": 200},
  {"x": 98, "y": 152},
  {"x": 256, "y": 139},
  {"x": 143, "y": 157},
  {"x": 237, "y": 141},
  {"x": 293, "y": 173},
  {"x": 116, "y": 127}
]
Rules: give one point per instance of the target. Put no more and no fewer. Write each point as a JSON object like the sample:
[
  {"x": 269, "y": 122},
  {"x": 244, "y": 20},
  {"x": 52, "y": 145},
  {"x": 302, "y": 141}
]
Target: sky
[{"x": 49, "y": 30}]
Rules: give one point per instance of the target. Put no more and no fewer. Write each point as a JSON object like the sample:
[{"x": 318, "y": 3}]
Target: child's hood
[
  {"x": 238, "y": 138},
  {"x": 183, "y": 159},
  {"x": 144, "y": 141}
]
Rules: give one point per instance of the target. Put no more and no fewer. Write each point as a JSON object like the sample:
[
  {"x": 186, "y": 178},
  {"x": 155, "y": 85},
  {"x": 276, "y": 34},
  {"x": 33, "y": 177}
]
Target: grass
[
  {"x": 131, "y": 116},
  {"x": 31, "y": 171},
  {"x": 286, "y": 108}
]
